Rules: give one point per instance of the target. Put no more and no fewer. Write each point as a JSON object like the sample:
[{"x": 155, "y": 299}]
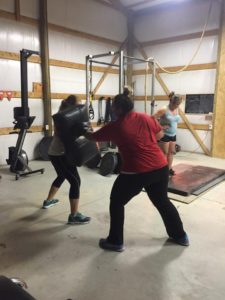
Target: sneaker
[
  {"x": 104, "y": 244},
  {"x": 49, "y": 203},
  {"x": 172, "y": 172},
  {"x": 78, "y": 219},
  {"x": 184, "y": 241}
]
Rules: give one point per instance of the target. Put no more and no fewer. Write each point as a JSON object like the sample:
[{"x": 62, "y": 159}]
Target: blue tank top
[{"x": 173, "y": 120}]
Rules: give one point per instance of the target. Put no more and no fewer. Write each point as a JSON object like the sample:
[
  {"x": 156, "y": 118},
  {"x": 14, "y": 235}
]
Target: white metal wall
[
  {"x": 85, "y": 16},
  {"x": 91, "y": 17}
]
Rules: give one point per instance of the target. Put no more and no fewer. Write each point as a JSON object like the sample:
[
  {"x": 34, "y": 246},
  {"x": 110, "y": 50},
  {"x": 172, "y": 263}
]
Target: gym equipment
[
  {"x": 83, "y": 151},
  {"x": 19, "y": 165},
  {"x": 71, "y": 119},
  {"x": 44, "y": 146},
  {"x": 110, "y": 164},
  {"x": 11, "y": 289},
  {"x": 100, "y": 116},
  {"x": 123, "y": 61},
  {"x": 23, "y": 121},
  {"x": 71, "y": 124},
  {"x": 94, "y": 161},
  {"x": 193, "y": 180}
]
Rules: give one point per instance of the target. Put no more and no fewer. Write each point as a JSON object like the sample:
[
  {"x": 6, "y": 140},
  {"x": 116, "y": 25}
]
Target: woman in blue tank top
[{"x": 169, "y": 118}]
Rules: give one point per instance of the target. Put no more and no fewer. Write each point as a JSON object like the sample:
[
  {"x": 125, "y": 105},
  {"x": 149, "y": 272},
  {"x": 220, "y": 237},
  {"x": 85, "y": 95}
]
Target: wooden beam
[
  {"x": 39, "y": 128},
  {"x": 197, "y": 67},
  {"x": 17, "y": 9},
  {"x": 78, "y": 66},
  {"x": 46, "y": 84},
  {"x": 184, "y": 118},
  {"x": 157, "y": 98},
  {"x": 58, "y": 28},
  {"x": 204, "y": 127},
  {"x": 55, "y": 62},
  {"x": 218, "y": 137},
  {"x": 10, "y": 130},
  {"x": 178, "y": 38}
]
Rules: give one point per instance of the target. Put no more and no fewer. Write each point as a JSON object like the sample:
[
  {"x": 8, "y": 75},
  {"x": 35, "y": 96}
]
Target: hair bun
[
  {"x": 127, "y": 90},
  {"x": 171, "y": 94}
]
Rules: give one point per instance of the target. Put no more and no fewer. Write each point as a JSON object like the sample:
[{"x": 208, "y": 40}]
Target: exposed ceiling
[{"x": 139, "y": 6}]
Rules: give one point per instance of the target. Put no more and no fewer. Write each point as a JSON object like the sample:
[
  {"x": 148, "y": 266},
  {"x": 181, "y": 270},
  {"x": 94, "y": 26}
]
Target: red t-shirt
[{"x": 134, "y": 134}]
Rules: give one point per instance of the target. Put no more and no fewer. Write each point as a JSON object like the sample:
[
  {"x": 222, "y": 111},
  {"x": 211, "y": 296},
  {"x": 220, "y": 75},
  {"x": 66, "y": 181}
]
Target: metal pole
[
  {"x": 110, "y": 53},
  {"x": 138, "y": 59},
  {"x": 104, "y": 63},
  {"x": 121, "y": 75},
  {"x": 153, "y": 88},
  {"x": 87, "y": 81},
  {"x": 46, "y": 82},
  {"x": 24, "y": 88}
]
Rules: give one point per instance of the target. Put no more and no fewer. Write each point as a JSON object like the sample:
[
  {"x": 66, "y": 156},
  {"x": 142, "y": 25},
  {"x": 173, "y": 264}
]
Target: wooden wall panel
[{"x": 218, "y": 136}]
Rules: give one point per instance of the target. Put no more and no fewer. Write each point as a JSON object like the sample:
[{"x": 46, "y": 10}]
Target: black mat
[{"x": 193, "y": 180}]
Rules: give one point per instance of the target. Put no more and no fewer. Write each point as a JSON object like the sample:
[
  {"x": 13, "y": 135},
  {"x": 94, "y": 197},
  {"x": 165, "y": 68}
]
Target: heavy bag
[
  {"x": 110, "y": 163},
  {"x": 94, "y": 161},
  {"x": 81, "y": 151},
  {"x": 43, "y": 147},
  {"x": 69, "y": 122}
]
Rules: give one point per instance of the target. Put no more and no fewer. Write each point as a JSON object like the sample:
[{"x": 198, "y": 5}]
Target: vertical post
[
  {"x": 153, "y": 87},
  {"x": 46, "y": 88},
  {"x": 218, "y": 135},
  {"x": 24, "y": 82},
  {"x": 17, "y": 9},
  {"x": 87, "y": 82},
  {"x": 130, "y": 46},
  {"x": 121, "y": 74}
]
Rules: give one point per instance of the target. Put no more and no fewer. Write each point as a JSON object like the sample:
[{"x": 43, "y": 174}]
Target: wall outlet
[{"x": 210, "y": 126}]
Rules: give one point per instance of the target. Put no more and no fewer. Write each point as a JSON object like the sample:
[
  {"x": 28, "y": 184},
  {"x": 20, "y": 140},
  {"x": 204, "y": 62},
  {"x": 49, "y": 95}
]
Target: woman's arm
[
  {"x": 159, "y": 135},
  {"x": 159, "y": 113}
]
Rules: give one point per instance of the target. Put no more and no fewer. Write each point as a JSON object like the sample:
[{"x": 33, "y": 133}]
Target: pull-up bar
[{"x": 123, "y": 60}]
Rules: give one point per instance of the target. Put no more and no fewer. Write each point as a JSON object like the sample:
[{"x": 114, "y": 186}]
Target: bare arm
[
  {"x": 159, "y": 135},
  {"x": 159, "y": 113}
]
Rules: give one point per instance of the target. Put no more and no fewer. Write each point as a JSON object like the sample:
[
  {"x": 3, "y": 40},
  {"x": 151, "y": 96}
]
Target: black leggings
[
  {"x": 66, "y": 171},
  {"x": 155, "y": 183}
]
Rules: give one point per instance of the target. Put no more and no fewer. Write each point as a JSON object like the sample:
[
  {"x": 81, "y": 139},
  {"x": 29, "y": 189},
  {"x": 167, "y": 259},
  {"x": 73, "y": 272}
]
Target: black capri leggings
[
  {"x": 66, "y": 171},
  {"x": 155, "y": 184}
]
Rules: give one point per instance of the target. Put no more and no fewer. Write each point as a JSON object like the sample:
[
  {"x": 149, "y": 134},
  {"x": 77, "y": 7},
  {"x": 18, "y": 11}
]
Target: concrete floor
[{"x": 63, "y": 262}]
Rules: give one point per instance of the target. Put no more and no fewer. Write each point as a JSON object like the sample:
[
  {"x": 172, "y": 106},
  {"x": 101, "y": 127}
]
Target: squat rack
[{"x": 123, "y": 61}]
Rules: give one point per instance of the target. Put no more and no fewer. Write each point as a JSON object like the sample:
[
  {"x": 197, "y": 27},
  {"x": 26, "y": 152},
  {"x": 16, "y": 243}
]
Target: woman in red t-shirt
[{"x": 143, "y": 167}]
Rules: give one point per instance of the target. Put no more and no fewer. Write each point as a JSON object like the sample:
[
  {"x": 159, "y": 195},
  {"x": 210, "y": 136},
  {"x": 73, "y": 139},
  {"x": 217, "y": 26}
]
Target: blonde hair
[{"x": 174, "y": 98}]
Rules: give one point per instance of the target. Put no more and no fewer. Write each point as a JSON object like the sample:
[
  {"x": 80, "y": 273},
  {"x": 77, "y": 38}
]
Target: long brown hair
[{"x": 69, "y": 101}]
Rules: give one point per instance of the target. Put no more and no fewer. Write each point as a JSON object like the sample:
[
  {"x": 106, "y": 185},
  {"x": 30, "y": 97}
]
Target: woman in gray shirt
[{"x": 65, "y": 170}]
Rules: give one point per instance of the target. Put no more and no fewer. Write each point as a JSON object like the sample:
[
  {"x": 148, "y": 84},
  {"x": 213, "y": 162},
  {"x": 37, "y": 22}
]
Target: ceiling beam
[{"x": 118, "y": 5}]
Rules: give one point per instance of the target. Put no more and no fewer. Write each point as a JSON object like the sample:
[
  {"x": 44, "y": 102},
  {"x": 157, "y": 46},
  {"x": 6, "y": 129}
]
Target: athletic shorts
[{"x": 167, "y": 139}]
